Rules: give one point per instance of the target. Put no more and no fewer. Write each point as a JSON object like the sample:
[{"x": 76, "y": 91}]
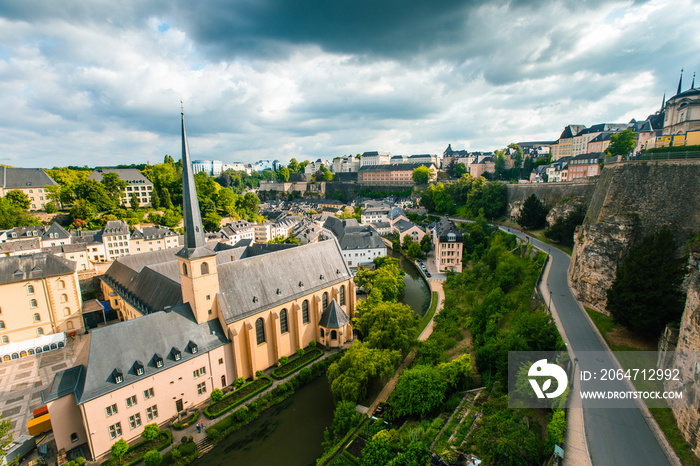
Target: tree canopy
[
  {"x": 622, "y": 143},
  {"x": 646, "y": 293},
  {"x": 386, "y": 325},
  {"x": 533, "y": 214},
  {"x": 419, "y": 390},
  {"x": 422, "y": 174}
]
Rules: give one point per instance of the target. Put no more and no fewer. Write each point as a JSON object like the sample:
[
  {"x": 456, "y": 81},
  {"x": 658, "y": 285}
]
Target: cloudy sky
[{"x": 99, "y": 82}]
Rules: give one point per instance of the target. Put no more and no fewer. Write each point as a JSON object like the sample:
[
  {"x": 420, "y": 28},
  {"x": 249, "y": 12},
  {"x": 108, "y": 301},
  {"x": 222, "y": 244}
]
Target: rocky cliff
[
  {"x": 687, "y": 360},
  {"x": 630, "y": 202},
  {"x": 551, "y": 194}
]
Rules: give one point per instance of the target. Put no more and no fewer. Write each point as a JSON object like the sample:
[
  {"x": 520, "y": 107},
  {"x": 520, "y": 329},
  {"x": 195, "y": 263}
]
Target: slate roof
[
  {"x": 21, "y": 178},
  {"x": 395, "y": 212},
  {"x": 30, "y": 244},
  {"x": 403, "y": 225},
  {"x": 32, "y": 231},
  {"x": 140, "y": 340},
  {"x": 252, "y": 284},
  {"x": 445, "y": 226},
  {"x": 64, "y": 383},
  {"x": 115, "y": 227},
  {"x": 31, "y": 266},
  {"x": 334, "y": 316},
  {"x": 352, "y": 235},
  {"x": 64, "y": 248},
  {"x": 149, "y": 233},
  {"x": 394, "y": 167},
  {"x": 130, "y": 175},
  {"x": 57, "y": 231}
]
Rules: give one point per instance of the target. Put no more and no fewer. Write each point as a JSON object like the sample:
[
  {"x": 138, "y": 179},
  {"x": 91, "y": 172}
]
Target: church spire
[
  {"x": 192, "y": 218},
  {"x": 680, "y": 81},
  {"x": 663, "y": 102},
  {"x": 692, "y": 86}
]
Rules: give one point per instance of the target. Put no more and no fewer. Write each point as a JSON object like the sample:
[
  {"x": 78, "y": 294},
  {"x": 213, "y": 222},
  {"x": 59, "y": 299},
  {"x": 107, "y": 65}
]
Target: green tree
[
  {"x": 457, "y": 373},
  {"x": 499, "y": 164},
  {"x": 407, "y": 241},
  {"x": 414, "y": 250},
  {"x": 152, "y": 458},
  {"x": 419, "y": 390},
  {"x": 622, "y": 143},
  {"x": 377, "y": 452},
  {"x": 328, "y": 175},
  {"x": 114, "y": 185},
  {"x": 84, "y": 210},
  {"x": 134, "y": 201},
  {"x": 533, "y": 214},
  {"x": 150, "y": 432},
  {"x": 216, "y": 395},
  {"x": 345, "y": 418},
  {"x": 293, "y": 165},
  {"x": 387, "y": 325},
  {"x": 422, "y": 175},
  {"x": 18, "y": 199},
  {"x": 97, "y": 193},
  {"x": 155, "y": 199},
  {"x": 358, "y": 368},
  {"x": 459, "y": 170},
  {"x": 556, "y": 429},
  {"x": 5, "y": 436},
  {"x": 387, "y": 279},
  {"x": 283, "y": 174},
  {"x": 166, "y": 202},
  {"x": 212, "y": 222},
  {"x": 119, "y": 449},
  {"x": 562, "y": 230},
  {"x": 12, "y": 216},
  {"x": 646, "y": 293}
]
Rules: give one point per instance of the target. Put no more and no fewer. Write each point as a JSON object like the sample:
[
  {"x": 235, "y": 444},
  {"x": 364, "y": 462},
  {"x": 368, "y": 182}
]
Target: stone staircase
[{"x": 204, "y": 446}]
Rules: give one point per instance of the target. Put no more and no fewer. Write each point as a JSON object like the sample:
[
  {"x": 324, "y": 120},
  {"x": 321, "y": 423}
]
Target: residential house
[
  {"x": 360, "y": 244},
  {"x": 448, "y": 242},
  {"x": 349, "y": 164},
  {"x": 31, "y": 181},
  {"x": 136, "y": 184},
  {"x": 116, "y": 239},
  {"x": 375, "y": 158},
  {"x": 584, "y": 166},
  {"x": 153, "y": 239},
  {"x": 398, "y": 174},
  {"x": 238, "y": 230}
]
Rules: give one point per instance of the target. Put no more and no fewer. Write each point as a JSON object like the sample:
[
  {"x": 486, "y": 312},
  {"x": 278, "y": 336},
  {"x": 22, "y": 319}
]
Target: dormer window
[
  {"x": 451, "y": 237},
  {"x": 138, "y": 368},
  {"x": 158, "y": 360},
  {"x": 192, "y": 346},
  {"x": 177, "y": 355},
  {"x": 118, "y": 375}
]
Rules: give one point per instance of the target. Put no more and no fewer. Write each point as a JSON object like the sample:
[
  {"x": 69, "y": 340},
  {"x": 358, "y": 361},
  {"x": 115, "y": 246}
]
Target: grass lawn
[
  {"x": 429, "y": 313},
  {"x": 539, "y": 234},
  {"x": 664, "y": 417}
]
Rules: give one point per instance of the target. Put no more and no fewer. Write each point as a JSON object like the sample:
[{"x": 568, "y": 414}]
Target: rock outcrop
[
  {"x": 687, "y": 361},
  {"x": 551, "y": 194},
  {"x": 564, "y": 208},
  {"x": 630, "y": 202}
]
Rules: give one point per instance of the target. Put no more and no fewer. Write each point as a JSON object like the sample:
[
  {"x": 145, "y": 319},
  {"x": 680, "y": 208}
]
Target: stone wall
[
  {"x": 551, "y": 194},
  {"x": 630, "y": 202}
]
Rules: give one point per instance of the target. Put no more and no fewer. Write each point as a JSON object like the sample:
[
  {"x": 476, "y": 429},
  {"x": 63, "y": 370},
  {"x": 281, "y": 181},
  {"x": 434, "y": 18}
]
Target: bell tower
[{"x": 197, "y": 263}]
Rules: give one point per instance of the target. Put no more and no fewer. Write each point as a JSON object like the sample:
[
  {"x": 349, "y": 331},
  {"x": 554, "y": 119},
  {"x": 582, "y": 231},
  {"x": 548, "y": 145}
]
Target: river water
[{"x": 291, "y": 433}]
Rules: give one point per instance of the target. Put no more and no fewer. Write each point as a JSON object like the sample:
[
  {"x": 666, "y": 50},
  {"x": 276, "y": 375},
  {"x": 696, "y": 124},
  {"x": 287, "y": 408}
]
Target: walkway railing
[{"x": 669, "y": 155}]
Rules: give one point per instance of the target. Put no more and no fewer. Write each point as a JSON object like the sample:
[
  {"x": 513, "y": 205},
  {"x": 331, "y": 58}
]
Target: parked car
[{"x": 427, "y": 274}]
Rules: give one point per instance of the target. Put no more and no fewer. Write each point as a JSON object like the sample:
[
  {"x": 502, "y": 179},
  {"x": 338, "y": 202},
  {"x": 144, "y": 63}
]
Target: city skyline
[{"x": 100, "y": 83}]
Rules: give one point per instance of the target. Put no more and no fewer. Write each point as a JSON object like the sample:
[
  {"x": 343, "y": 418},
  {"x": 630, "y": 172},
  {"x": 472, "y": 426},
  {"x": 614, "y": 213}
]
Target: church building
[{"x": 195, "y": 320}]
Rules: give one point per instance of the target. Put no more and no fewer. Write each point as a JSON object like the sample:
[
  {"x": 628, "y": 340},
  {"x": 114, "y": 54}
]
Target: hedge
[
  {"x": 187, "y": 422},
  {"x": 297, "y": 363},
  {"x": 135, "y": 453},
  {"x": 237, "y": 397},
  {"x": 252, "y": 410}
]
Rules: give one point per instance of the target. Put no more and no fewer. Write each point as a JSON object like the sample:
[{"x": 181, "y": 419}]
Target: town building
[
  {"x": 116, "y": 239},
  {"x": 195, "y": 320},
  {"x": 360, "y": 244},
  {"x": 406, "y": 227},
  {"x": 77, "y": 253},
  {"x": 349, "y": 164},
  {"x": 375, "y": 158},
  {"x": 449, "y": 245},
  {"x": 584, "y": 166},
  {"x": 375, "y": 214},
  {"x": 398, "y": 174},
  {"x": 153, "y": 239},
  {"x": 238, "y": 230},
  {"x": 564, "y": 145},
  {"x": 136, "y": 184},
  {"x": 682, "y": 111},
  {"x": 31, "y": 181},
  {"x": 39, "y": 295}
]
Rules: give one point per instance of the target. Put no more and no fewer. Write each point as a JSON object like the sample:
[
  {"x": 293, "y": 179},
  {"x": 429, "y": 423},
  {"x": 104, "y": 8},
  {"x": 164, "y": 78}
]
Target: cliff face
[
  {"x": 630, "y": 202},
  {"x": 551, "y": 194},
  {"x": 687, "y": 360}
]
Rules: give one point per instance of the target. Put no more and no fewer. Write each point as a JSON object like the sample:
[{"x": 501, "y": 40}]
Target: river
[{"x": 291, "y": 433}]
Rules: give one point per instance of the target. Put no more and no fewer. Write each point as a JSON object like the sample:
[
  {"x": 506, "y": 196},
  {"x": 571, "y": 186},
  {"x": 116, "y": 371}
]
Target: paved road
[{"x": 616, "y": 437}]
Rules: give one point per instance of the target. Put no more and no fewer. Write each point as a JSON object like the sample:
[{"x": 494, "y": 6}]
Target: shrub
[
  {"x": 237, "y": 397},
  {"x": 259, "y": 374},
  {"x": 312, "y": 344},
  {"x": 240, "y": 381},
  {"x": 150, "y": 432},
  {"x": 152, "y": 458},
  {"x": 216, "y": 395},
  {"x": 283, "y": 360},
  {"x": 51, "y": 209},
  {"x": 305, "y": 375},
  {"x": 300, "y": 352},
  {"x": 212, "y": 432},
  {"x": 80, "y": 461},
  {"x": 184, "y": 440},
  {"x": 296, "y": 363}
]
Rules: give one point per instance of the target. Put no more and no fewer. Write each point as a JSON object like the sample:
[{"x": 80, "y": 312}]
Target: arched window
[
  {"x": 324, "y": 301},
  {"x": 205, "y": 268},
  {"x": 334, "y": 335},
  {"x": 323, "y": 334},
  {"x": 342, "y": 295},
  {"x": 37, "y": 318},
  {"x": 30, "y": 289},
  {"x": 5, "y": 339},
  {"x": 184, "y": 269},
  {"x": 39, "y": 331},
  {"x": 69, "y": 325},
  {"x": 32, "y": 303},
  {"x": 260, "y": 330},
  {"x": 2, "y": 324},
  {"x": 61, "y": 285},
  {"x": 64, "y": 298},
  {"x": 66, "y": 311},
  {"x": 284, "y": 328},
  {"x": 305, "y": 311}
]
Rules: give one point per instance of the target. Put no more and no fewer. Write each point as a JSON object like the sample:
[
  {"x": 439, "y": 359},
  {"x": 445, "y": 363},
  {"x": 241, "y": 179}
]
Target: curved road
[{"x": 616, "y": 437}]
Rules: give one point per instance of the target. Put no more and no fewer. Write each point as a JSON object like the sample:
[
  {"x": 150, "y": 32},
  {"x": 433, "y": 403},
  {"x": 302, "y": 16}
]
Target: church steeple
[
  {"x": 663, "y": 103},
  {"x": 192, "y": 218},
  {"x": 680, "y": 81},
  {"x": 692, "y": 86}
]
